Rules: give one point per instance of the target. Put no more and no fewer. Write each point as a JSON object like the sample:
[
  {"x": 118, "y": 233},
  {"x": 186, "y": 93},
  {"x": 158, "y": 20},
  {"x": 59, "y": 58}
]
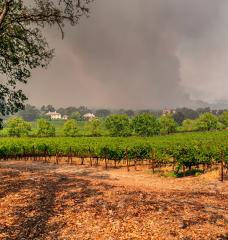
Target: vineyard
[
  {"x": 180, "y": 151},
  {"x": 50, "y": 191}
]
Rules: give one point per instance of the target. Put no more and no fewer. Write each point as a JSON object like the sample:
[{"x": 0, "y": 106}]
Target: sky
[{"x": 138, "y": 54}]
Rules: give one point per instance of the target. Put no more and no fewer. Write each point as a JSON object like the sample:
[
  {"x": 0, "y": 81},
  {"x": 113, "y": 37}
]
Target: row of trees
[
  {"x": 148, "y": 125},
  {"x": 116, "y": 125},
  {"x": 17, "y": 127},
  {"x": 143, "y": 125},
  {"x": 32, "y": 113},
  {"x": 206, "y": 122}
]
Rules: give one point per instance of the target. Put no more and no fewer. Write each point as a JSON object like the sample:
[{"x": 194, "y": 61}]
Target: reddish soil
[{"x": 47, "y": 201}]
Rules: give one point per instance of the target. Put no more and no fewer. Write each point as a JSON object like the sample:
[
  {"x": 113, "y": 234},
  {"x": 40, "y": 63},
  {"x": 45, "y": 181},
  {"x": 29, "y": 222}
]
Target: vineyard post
[
  {"x": 153, "y": 165},
  {"x": 70, "y": 160},
  {"x": 33, "y": 152},
  {"x": 204, "y": 167},
  {"x": 135, "y": 163},
  {"x": 71, "y": 156},
  {"x": 45, "y": 154},
  {"x": 128, "y": 169},
  {"x": 90, "y": 158},
  {"x": 174, "y": 163},
  {"x": 82, "y": 160},
  {"x": 57, "y": 158},
  {"x": 106, "y": 165},
  {"x": 184, "y": 172},
  {"x": 153, "y": 160},
  {"x": 222, "y": 166},
  {"x": 24, "y": 153}
]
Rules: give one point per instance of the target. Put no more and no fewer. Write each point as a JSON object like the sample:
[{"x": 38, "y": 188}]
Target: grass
[
  {"x": 171, "y": 174},
  {"x": 192, "y": 172}
]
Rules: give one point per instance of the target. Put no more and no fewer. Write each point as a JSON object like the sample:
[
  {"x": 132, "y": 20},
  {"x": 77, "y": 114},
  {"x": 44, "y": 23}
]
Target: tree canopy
[
  {"x": 94, "y": 127},
  {"x": 118, "y": 125},
  {"x": 145, "y": 125},
  {"x": 23, "y": 46},
  {"x": 167, "y": 124},
  {"x": 17, "y": 127},
  {"x": 207, "y": 121},
  {"x": 44, "y": 128},
  {"x": 70, "y": 128},
  {"x": 223, "y": 118}
]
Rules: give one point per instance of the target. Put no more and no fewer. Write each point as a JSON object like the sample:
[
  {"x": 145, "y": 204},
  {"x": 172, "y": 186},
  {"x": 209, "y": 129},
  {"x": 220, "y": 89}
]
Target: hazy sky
[{"x": 138, "y": 54}]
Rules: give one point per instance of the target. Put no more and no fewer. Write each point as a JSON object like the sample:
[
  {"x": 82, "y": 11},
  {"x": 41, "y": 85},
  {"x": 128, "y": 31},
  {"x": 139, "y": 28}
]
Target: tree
[
  {"x": 145, "y": 125},
  {"x": 48, "y": 108},
  {"x": 167, "y": 124},
  {"x": 118, "y": 125},
  {"x": 83, "y": 110},
  {"x": 207, "y": 121},
  {"x": 188, "y": 113},
  {"x": 17, "y": 127},
  {"x": 203, "y": 110},
  {"x": 22, "y": 44},
  {"x": 30, "y": 113},
  {"x": 102, "y": 113},
  {"x": 189, "y": 125},
  {"x": 130, "y": 113},
  {"x": 45, "y": 129},
  {"x": 67, "y": 111},
  {"x": 76, "y": 116},
  {"x": 70, "y": 128},
  {"x": 94, "y": 127},
  {"x": 223, "y": 118},
  {"x": 178, "y": 117}
]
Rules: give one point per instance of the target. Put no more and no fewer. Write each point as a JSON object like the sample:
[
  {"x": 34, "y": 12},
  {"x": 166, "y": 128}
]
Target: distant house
[
  {"x": 54, "y": 115},
  {"x": 89, "y": 116},
  {"x": 167, "y": 111},
  {"x": 65, "y": 117}
]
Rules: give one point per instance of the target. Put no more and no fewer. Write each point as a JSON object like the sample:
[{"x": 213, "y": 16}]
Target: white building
[
  {"x": 54, "y": 115},
  {"x": 89, "y": 116},
  {"x": 167, "y": 111},
  {"x": 65, "y": 117}
]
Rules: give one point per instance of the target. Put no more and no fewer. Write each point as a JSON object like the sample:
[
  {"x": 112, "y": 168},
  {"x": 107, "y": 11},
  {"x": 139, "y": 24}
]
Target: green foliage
[
  {"x": 192, "y": 172},
  {"x": 30, "y": 113},
  {"x": 76, "y": 116},
  {"x": 17, "y": 127},
  {"x": 118, "y": 125},
  {"x": 223, "y": 118},
  {"x": 94, "y": 127},
  {"x": 45, "y": 109},
  {"x": 189, "y": 125},
  {"x": 167, "y": 124},
  {"x": 188, "y": 149},
  {"x": 102, "y": 113},
  {"x": 207, "y": 122},
  {"x": 145, "y": 125},
  {"x": 70, "y": 128},
  {"x": 45, "y": 129}
]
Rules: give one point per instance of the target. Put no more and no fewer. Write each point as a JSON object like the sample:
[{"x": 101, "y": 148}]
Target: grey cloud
[{"x": 139, "y": 54}]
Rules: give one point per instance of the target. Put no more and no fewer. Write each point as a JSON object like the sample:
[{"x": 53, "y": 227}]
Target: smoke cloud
[{"x": 139, "y": 54}]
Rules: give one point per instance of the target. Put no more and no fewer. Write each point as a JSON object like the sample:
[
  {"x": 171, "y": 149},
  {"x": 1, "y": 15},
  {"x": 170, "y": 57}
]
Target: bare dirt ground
[{"x": 47, "y": 201}]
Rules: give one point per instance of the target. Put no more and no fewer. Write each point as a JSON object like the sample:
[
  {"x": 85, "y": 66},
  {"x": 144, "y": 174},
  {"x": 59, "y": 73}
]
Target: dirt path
[{"x": 46, "y": 201}]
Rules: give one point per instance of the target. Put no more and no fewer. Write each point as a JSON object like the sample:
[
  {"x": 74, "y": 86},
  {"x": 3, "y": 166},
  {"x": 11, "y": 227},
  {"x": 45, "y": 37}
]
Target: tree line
[
  {"x": 32, "y": 113},
  {"x": 118, "y": 125}
]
